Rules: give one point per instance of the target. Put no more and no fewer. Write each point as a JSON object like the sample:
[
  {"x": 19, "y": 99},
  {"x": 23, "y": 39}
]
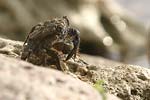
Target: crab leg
[
  {"x": 55, "y": 56},
  {"x": 76, "y": 42}
]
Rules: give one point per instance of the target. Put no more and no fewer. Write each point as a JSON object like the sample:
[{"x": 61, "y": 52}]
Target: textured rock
[
  {"x": 128, "y": 82},
  {"x": 22, "y": 81},
  {"x": 10, "y": 47}
]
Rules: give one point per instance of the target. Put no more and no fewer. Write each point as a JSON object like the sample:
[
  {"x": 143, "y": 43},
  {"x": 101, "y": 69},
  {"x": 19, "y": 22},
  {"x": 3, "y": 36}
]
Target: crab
[{"x": 47, "y": 41}]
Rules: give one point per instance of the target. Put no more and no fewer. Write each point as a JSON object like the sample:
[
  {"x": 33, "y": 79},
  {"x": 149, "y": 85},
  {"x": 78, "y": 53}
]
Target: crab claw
[{"x": 74, "y": 34}]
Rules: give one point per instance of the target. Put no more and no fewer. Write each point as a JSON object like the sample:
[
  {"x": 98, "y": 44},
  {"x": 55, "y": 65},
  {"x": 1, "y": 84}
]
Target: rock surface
[
  {"x": 10, "y": 47},
  {"x": 128, "y": 82},
  {"x": 22, "y": 81}
]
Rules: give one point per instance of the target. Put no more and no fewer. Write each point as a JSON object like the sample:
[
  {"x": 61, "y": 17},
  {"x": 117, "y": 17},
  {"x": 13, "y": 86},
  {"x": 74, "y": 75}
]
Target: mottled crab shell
[
  {"x": 49, "y": 27},
  {"x": 47, "y": 40}
]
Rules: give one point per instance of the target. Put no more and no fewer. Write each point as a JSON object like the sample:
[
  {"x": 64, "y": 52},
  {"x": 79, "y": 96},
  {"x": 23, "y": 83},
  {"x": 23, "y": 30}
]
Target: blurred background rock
[{"x": 109, "y": 28}]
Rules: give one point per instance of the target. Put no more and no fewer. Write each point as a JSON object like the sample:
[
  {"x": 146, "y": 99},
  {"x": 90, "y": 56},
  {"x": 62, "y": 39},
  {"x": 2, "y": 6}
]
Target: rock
[
  {"x": 10, "y": 47},
  {"x": 129, "y": 82},
  {"x": 22, "y": 81}
]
